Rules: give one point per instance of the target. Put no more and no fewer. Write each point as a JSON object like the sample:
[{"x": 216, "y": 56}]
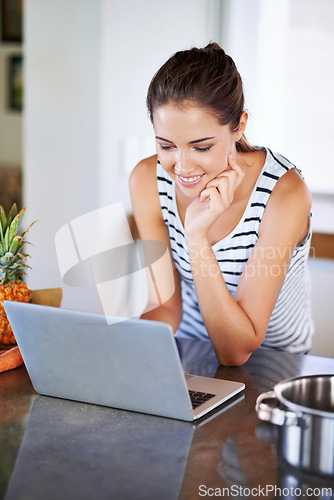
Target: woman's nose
[{"x": 183, "y": 165}]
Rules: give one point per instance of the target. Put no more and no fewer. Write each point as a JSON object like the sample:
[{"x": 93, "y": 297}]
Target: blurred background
[{"x": 73, "y": 122}]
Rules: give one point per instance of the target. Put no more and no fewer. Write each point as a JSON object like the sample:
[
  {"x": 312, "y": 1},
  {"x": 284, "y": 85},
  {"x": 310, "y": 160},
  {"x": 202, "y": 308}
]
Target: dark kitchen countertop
[{"x": 57, "y": 449}]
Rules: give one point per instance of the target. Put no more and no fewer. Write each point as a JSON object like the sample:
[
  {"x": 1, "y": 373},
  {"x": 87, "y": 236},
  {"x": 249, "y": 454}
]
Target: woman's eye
[
  {"x": 202, "y": 150},
  {"x": 165, "y": 148}
]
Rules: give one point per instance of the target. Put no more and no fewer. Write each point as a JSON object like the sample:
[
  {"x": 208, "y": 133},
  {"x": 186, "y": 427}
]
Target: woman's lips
[{"x": 191, "y": 180}]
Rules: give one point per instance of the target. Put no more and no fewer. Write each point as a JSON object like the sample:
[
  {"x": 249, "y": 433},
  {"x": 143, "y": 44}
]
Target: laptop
[{"x": 130, "y": 364}]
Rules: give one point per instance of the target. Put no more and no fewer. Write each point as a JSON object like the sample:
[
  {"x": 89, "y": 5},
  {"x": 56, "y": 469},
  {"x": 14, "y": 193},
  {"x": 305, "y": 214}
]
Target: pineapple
[{"x": 12, "y": 268}]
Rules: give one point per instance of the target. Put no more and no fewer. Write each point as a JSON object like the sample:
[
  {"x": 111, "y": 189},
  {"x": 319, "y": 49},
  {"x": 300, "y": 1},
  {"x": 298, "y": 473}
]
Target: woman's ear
[{"x": 242, "y": 126}]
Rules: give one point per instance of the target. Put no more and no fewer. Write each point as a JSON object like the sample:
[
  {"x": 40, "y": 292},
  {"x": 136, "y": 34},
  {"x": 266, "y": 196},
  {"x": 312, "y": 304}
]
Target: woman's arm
[
  {"x": 237, "y": 326},
  {"x": 162, "y": 304}
]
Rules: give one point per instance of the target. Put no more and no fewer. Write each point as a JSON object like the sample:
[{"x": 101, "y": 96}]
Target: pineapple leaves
[
  {"x": 6, "y": 241},
  {"x": 6, "y": 221},
  {"x": 12, "y": 260},
  {"x": 16, "y": 244},
  {"x": 3, "y": 219},
  {"x": 9, "y": 227},
  {"x": 12, "y": 214},
  {"x": 2, "y": 242},
  {"x": 25, "y": 232},
  {"x": 12, "y": 230}
]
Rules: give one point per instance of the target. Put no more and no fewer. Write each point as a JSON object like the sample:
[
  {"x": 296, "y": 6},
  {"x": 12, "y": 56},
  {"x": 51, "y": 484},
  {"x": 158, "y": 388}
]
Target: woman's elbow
[{"x": 232, "y": 359}]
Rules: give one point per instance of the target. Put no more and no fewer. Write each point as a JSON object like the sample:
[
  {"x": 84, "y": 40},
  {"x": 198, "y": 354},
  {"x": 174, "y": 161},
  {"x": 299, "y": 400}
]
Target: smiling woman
[{"x": 225, "y": 209}]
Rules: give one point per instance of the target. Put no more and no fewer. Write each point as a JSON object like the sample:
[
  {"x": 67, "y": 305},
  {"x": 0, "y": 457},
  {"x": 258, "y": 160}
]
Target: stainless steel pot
[{"x": 303, "y": 408}]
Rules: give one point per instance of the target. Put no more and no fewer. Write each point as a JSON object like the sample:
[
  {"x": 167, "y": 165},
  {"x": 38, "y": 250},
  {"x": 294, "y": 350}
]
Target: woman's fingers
[
  {"x": 218, "y": 197},
  {"x": 228, "y": 181},
  {"x": 236, "y": 168},
  {"x": 225, "y": 184}
]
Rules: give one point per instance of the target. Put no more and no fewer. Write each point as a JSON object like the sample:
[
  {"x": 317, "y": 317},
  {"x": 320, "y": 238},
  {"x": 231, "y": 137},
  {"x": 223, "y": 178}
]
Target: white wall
[
  {"x": 322, "y": 274},
  {"x": 61, "y": 127},
  {"x": 88, "y": 65},
  {"x": 284, "y": 51},
  {"x": 137, "y": 37}
]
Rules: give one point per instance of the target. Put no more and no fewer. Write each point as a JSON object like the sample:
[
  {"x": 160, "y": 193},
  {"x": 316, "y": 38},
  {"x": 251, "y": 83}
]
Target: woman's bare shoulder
[
  {"x": 145, "y": 199},
  {"x": 143, "y": 176},
  {"x": 289, "y": 204},
  {"x": 292, "y": 188}
]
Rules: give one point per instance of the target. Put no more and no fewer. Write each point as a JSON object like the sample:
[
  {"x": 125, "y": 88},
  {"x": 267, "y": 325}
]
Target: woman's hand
[{"x": 213, "y": 201}]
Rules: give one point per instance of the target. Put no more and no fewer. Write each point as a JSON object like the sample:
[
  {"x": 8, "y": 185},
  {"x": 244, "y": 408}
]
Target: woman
[{"x": 236, "y": 217}]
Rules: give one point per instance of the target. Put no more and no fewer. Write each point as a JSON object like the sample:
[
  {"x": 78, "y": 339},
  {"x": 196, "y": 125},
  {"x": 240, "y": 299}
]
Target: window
[{"x": 284, "y": 50}]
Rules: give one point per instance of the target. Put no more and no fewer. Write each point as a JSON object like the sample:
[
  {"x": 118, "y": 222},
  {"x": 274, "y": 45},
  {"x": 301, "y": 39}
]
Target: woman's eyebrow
[
  {"x": 201, "y": 140},
  {"x": 162, "y": 139},
  {"x": 191, "y": 142}
]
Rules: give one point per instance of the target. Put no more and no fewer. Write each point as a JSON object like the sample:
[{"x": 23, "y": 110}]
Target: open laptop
[{"x": 131, "y": 364}]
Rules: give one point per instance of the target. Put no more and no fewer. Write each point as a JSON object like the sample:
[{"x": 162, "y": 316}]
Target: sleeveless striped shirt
[{"x": 290, "y": 326}]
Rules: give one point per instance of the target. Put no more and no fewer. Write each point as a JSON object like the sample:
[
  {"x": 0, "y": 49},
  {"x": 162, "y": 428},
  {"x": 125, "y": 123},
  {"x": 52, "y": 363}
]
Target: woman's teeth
[{"x": 190, "y": 179}]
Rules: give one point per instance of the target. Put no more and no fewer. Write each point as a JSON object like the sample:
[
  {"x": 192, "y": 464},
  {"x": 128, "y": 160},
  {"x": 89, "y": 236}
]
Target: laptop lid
[{"x": 130, "y": 364}]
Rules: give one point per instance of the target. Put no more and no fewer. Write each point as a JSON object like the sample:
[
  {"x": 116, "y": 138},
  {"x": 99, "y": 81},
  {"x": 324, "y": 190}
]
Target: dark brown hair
[{"x": 206, "y": 77}]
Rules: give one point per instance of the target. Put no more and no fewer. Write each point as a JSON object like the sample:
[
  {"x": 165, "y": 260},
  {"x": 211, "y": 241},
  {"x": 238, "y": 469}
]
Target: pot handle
[{"x": 268, "y": 409}]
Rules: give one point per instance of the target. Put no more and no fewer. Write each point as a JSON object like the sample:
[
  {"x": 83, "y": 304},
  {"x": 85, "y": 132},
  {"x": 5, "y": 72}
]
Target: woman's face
[{"x": 192, "y": 146}]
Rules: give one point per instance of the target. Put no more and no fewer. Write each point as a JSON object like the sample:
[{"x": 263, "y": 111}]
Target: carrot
[{"x": 10, "y": 359}]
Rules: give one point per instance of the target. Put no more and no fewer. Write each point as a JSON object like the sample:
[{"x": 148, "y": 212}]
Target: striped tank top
[{"x": 291, "y": 326}]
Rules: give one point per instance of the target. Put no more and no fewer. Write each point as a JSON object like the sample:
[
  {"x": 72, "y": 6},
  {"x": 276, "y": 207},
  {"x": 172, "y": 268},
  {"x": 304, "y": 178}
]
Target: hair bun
[{"x": 213, "y": 47}]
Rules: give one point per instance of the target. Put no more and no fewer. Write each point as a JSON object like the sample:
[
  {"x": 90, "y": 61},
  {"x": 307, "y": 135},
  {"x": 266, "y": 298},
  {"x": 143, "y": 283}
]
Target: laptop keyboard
[{"x": 197, "y": 398}]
